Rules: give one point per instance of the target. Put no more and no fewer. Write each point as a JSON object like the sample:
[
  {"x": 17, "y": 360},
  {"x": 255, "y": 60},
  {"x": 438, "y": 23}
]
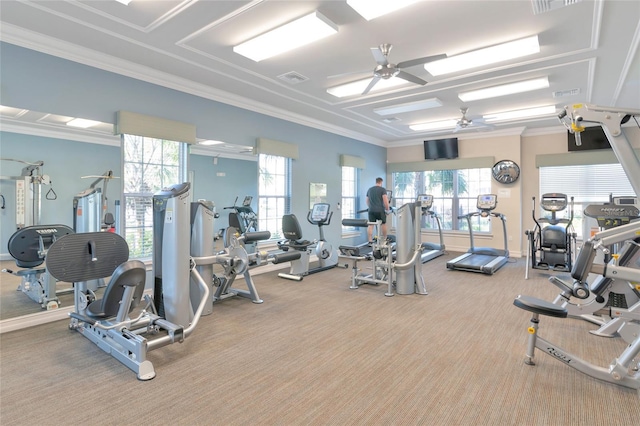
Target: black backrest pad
[
  {"x": 291, "y": 227},
  {"x": 71, "y": 258}
]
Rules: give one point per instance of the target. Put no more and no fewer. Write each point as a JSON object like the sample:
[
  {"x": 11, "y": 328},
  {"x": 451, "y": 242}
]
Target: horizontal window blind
[{"x": 586, "y": 183}]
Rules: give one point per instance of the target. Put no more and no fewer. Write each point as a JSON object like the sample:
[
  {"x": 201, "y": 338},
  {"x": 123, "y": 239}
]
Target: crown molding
[{"x": 62, "y": 49}]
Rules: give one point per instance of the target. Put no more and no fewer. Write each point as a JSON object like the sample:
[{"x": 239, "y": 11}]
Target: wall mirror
[{"x": 317, "y": 193}]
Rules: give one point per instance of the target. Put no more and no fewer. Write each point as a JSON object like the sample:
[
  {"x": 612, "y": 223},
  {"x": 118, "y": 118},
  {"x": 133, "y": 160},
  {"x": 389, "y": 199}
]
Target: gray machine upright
[
  {"x": 171, "y": 247},
  {"x": 202, "y": 234}
]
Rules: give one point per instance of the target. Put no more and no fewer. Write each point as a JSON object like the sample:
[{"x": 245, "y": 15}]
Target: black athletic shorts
[{"x": 374, "y": 216}]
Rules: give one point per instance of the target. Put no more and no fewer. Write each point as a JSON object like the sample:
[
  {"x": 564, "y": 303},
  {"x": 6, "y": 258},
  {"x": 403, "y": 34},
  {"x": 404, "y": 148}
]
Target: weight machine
[
  {"x": 29, "y": 192},
  {"x": 404, "y": 272},
  {"x": 625, "y": 369},
  {"x": 91, "y": 206},
  {"x": 551, "y": 245},
  {"x": 29, "y": 247}
]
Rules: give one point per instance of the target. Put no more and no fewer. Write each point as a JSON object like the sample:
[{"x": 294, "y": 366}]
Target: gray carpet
[{"x": 316, "y": 352}]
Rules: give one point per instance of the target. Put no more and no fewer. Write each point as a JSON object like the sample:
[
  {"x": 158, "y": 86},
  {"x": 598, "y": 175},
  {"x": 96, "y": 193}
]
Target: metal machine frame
[{"x": 625, "y": 369}]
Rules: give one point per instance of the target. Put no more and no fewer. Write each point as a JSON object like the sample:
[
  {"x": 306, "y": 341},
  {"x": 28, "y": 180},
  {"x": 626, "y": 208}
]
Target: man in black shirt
[{"x": 378, "y": 204}]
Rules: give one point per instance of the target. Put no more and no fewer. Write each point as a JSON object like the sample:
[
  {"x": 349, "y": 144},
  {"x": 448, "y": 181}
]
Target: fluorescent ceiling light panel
[
  {"x": 505, "y": 89},
  {"x": 210, "y": 142},
  {"x": 125, "y": 2},
  {"x": 82, "y": 123},
  {"x": 521, "y": 113},
  {"x": 408, "y": 107},
  {"x": 300, "y": 32},
  {"x": 434, "y": 125},
  {"x": 486, "y": 56},
  {"x": 371, "y": 9},
  {"x": 357, "y": 87}
]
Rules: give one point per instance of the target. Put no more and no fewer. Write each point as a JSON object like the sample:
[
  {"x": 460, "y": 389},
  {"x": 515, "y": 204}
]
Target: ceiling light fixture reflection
[
  {"x": 125, "y": 2},
  {"x": 300, "y": 32},
  {"x": 371, "y": 9},
  {"x": 505, "y": 89},
  {"x": 434, "y": 125},
  {"x": 82, "y": 123},
  {"x": 409, "y": 107},
  {"x": 486, "y": 56},
  {"x": 549, "y": 110},
  {"x": 357, "y": 87}
]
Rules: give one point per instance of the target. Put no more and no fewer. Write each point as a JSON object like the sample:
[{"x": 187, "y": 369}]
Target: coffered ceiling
[{"x": 588, "y": 53}]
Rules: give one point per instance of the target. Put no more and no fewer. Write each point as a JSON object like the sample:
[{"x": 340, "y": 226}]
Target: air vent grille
[
  {"x": 541, "y": 6},
  {"x": 293, "y": 77},
  {"x": 565, "y": 93}
]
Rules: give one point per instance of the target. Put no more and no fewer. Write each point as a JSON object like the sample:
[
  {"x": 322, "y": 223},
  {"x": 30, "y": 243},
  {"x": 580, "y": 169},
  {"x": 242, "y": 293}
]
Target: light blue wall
[
  {"x": 65, "y": 162},
  {"x": 44, "y": 83}
]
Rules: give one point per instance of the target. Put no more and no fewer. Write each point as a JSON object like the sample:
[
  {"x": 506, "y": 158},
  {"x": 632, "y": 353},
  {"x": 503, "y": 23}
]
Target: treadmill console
[
  {"x": 426, "y": 201},
  {"x": 487, "y": 201}
]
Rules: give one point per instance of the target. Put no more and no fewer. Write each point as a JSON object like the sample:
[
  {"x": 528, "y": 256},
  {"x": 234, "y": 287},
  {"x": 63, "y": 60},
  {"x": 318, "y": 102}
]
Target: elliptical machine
[
  {"x": 242, "y": 219},
  {"x": 320, "y": 215},
  {"x": 551, "y": 245}
]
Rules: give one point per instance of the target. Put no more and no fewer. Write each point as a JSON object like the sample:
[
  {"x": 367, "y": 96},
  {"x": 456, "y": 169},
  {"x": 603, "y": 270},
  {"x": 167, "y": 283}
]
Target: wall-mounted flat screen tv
[
  {"x": 592, "y": 138},
  {"x": 441, "y": 149}
]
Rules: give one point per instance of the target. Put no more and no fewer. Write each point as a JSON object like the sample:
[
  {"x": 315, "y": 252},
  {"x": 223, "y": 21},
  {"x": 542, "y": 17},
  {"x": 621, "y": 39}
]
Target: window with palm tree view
[
  {"x": 149, "y": 165},
  {"x": 274, "y": 193},
  {"x": 454, "y": 194}
]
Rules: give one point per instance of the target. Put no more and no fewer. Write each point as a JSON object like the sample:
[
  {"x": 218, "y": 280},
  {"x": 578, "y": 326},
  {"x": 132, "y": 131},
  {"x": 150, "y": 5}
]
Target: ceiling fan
[
  {"x": 385, "y": 70},
  {"x": 465, "y": 123}
]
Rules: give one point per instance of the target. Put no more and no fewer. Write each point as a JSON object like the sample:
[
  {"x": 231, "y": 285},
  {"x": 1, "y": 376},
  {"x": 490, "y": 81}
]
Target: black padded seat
[
  {"x": 132, "y": 273},
  {"x": 293, "y": 233},
  {"x": 539, "y": 306}
]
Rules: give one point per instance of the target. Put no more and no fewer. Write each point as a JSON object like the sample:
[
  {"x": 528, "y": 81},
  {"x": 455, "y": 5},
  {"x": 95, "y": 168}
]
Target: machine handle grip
[
  {"x": 285, "y": 257},
  {"x": 256, "y": 236},
  {"x": 360, "y": 223}
]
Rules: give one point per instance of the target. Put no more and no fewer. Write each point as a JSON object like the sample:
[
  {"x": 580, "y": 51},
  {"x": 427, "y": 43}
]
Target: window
[
  {"x": 349, "y": 195},
  {"x": 149, "y": 165},
  {"x": 588, "y": 184},
  {"x": 454, "y": 193},
  {"x": 274, "y": 193}
]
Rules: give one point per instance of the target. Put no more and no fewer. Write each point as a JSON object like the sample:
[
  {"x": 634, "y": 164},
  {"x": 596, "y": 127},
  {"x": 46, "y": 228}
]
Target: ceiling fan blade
[
  {"x": 379, "y": 56},
  {"x": 373, "y": 82},
  {"x": 410, "y": 77},
  {"x": 420, "y": 61}
]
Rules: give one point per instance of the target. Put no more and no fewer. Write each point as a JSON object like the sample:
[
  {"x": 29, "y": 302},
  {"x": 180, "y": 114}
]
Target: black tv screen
[
  {"x": 441, "y": 149},
  {"x": 592, "y": 138}
]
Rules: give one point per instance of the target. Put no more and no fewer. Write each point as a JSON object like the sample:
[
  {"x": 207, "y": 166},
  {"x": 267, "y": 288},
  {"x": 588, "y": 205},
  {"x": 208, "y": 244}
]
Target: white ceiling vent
[
  {"x": 541, "y": 6},
  {"x": 565, "y": 93},
  {"x": 293, "y": 77}
]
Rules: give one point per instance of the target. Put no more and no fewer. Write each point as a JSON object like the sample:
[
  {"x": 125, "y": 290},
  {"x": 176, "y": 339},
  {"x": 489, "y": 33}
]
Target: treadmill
[
  {"x": 431, "y": 250},
  {"x": 485, "y": 260}
]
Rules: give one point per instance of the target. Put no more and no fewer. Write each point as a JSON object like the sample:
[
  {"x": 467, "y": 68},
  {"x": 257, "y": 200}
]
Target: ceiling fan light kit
[{"x": 297, "y": 33}]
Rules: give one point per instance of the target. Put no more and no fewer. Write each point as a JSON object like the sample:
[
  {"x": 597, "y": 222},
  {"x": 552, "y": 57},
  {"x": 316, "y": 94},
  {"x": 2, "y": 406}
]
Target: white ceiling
[{"x": 187, "y": 45}]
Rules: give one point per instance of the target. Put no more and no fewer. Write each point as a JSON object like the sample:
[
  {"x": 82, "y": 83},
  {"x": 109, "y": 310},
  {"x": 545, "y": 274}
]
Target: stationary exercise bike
[
  {"x": 320, "y": 216},
  {"x": 552, "y": 241}
]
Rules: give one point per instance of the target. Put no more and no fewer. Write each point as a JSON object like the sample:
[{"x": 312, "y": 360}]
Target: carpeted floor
[{"x": 316, "y": 352}]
